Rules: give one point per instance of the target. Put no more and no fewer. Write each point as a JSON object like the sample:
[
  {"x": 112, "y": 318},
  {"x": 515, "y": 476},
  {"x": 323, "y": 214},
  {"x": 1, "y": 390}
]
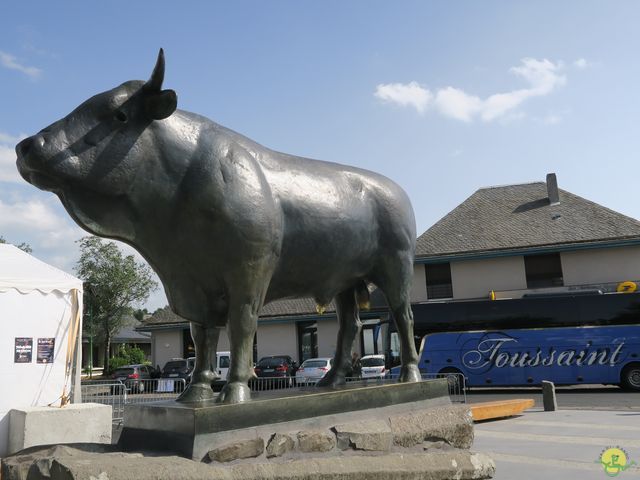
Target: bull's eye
[{"x": 121, "y": 116}]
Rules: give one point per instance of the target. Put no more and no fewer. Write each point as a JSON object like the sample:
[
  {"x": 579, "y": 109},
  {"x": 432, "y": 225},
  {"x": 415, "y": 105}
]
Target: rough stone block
[
  {"x": 243, "y": 449},
  {"x": 279, "y": 444},
  {"x": 314, "y": 441},
  {"x": 452, "y": 424},
  {"x": 74, "y": 423},
  {"x": 79, "y": 464},
  {"x": 367, "y": 435}
]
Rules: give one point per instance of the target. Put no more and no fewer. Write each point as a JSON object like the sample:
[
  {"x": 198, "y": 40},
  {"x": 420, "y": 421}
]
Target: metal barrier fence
[{"x": 120, "y": 393}]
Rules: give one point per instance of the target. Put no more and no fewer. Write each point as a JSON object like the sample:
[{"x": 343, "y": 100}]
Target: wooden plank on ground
[{"x": 500, "y": 408}]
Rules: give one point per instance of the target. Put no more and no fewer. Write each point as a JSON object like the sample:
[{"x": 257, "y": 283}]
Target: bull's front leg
[
  {"x": 205, "y": 340},
  {"x": 241, "y": 327}
]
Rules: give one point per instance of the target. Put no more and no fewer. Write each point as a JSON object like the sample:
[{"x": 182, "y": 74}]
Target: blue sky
[{"x": 442, "y": 97}]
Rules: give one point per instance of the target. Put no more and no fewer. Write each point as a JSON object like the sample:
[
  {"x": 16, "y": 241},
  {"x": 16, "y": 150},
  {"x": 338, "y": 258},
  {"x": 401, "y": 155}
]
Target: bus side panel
[{"x": 526, "y": 357}]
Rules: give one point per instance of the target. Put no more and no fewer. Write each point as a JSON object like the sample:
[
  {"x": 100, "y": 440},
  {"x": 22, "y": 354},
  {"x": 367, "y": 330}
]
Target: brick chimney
[{"x": 552, "y": 189}]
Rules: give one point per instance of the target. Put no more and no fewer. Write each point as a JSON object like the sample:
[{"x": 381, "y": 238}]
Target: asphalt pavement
[
  {"x": 565, "y": 444},
  {"x": 582, "y": 397}
]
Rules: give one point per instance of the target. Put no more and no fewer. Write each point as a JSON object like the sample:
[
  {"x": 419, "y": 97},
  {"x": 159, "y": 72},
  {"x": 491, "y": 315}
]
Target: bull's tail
[{"x": 362, "y": 296}]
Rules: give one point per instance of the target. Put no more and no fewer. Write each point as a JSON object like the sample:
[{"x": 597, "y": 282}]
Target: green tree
[
  {"x": 140, "y": 313},
  {"x": 25, "y": 247},
  {"x": 127, "y": 355},
  {"x": 113, "y": 284}
]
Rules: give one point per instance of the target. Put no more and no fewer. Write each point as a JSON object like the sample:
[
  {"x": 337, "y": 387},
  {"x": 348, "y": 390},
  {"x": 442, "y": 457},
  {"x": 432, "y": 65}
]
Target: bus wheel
[
  {"x": 630, "y": 377},
  {"x": 454, "y": 378}
]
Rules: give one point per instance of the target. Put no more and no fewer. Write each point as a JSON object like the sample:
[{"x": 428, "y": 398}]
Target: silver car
[
  {"x": 312, "y": 370},
  {"x": 373, "y": 366}
]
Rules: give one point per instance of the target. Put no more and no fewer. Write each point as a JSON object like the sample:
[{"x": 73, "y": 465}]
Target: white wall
[
  {"x": 223, "y": 342},
  {"x": 167, "y": 344},
  {"x": 600, "y": 265},
  {"x": 476, "y": 278},
  {"x": 327, "y": 336},
  {"x": 277, "y": 339},
  {"x": 34, "y": 315}
]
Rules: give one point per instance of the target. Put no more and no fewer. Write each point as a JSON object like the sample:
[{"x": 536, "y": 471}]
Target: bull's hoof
[
  {"x": 234, "y": 392},
  {"x": 196, "y": 392},
  {"x": 410, "y": 373},
  {"x": 331, "y": 379}
]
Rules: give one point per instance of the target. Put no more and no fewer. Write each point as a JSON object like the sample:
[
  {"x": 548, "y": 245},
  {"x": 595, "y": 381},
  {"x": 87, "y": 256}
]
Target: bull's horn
[{"x": 157, "y": 77}]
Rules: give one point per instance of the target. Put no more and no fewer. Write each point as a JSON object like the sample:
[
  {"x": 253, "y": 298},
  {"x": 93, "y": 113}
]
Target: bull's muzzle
[{"x": 23, "y": 148}]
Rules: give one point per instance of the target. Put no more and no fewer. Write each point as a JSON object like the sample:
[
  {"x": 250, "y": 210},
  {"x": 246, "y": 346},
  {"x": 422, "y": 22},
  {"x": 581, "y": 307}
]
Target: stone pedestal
[
  {"x": 383, "y": 432},
  {"x": 192, "y": 430},
  {"x": 74, "y": 423}
]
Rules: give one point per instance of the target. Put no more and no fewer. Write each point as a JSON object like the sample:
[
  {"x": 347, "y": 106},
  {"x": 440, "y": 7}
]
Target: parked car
[
  {"x": 312, "y": 370},
  {"x": 179, "y": 369},
  {"x": 133, "y": 377},
  {"x": 274, "y": 371},
  {"x": 276, "y": 366},
  {"x": 373, "y": 366},
  {"x": 223, "y": 360},
  {"x": 221, "y": 369}
]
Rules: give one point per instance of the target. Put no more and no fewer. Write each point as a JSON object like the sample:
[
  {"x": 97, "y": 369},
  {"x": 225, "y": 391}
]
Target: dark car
[
  {"x": 179, "y": 368},
  {"x": 135, "y": 378},
  {"x": 276, "y": 366}
]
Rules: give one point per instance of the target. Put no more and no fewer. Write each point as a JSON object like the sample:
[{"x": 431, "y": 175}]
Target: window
[
  {"x": 439, "y": 280},
  {"x": 370, "y": 338},
  {"x": 543, "y": 270},
  {"x": 307, "y": 340}
]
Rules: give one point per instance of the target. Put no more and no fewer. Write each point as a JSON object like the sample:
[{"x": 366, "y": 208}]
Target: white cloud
[
  {"x": 457, "y": 104},
  {"x": 8, "y": 170},
  {"x": 9, "y": 61},
  {"x": 543, "y": 77},
  {"x": 411, "y": 94},
  {"x": 41, "y": 221},
  {"x": 10, "y": 139},
  {"x": 32, "y": 214},
  {"x": 582, "y": 63},
  {"x": 552, "y": 119}
]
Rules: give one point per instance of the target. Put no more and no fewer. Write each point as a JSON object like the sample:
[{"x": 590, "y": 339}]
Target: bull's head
[{"x": 90, "y": 157}]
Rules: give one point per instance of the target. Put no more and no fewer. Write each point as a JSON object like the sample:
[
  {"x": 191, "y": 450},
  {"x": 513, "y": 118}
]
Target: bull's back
[
  {"x": 338, "y": 221},
  {"x": 317, "y": 192}
]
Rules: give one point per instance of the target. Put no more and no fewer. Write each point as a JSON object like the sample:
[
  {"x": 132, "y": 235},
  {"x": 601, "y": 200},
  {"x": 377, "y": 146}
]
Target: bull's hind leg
[
  {"x": 395, "y": 282},
  {"x": 349, "y": 323},
  {"x": 205, "y": 339}
]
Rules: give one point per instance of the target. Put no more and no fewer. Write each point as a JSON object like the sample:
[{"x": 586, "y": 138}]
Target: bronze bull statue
[{"x": 227, "y": 224}]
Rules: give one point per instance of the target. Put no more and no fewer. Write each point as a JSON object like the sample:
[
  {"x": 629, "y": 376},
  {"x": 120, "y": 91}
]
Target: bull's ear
[{"x": 162, "y": 104}]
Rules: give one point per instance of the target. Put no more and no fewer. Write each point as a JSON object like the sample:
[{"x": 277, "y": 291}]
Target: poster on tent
[
  {"x": 46, "y": 348},
  {"x": 24, "y": 350}
]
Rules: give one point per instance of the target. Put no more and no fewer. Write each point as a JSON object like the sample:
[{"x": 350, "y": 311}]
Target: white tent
[{"x": 40, "y": 311}]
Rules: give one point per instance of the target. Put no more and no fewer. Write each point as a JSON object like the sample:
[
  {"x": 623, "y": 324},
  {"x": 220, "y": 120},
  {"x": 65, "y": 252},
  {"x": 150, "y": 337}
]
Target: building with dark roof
[
  {"x": 518, "y": 238},
  {"x": 502, "y": 243}
]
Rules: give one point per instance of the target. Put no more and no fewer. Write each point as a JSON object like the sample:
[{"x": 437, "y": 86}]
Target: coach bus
[
  {"x": 515, "y": 357},
  {"x": 534, "y": 318}
]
